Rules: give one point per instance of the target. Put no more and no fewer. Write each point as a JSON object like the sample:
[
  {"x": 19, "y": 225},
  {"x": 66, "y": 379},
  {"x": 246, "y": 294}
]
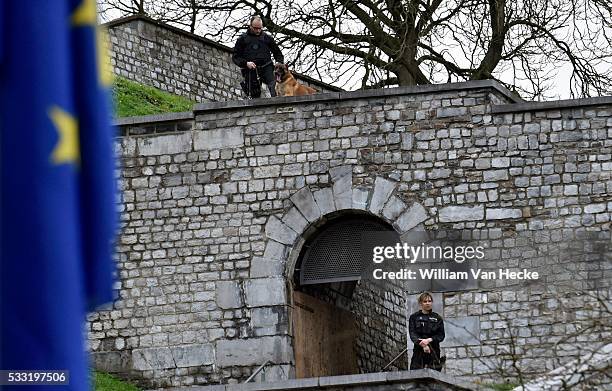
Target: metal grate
[{"x": 340, "y": 251}]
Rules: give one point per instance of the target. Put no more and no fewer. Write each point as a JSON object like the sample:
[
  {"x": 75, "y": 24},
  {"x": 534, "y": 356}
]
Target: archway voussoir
[
  {"x": 382, "y": 191},
  {"x": 360, "y": 198},
  {"x": 325, "y": 200},
  {"x": 295, "y": 220},
  {"x": 412, "y": 217},
  {"x": 343, "y": 190},
  {"x": 275, "y": 229},
  {"x": 394, "y": 208},
  {"x": 305, "y": 202},
  {"x": 275, "y": 251}
]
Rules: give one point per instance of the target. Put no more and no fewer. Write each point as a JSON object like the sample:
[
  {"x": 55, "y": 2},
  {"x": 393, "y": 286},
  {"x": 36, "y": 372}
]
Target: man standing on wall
[{"x": 252, "y": 53}]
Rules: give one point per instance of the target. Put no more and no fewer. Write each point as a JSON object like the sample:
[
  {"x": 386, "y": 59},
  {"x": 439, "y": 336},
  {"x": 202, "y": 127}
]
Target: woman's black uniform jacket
[{"x": 423, "y": 326}]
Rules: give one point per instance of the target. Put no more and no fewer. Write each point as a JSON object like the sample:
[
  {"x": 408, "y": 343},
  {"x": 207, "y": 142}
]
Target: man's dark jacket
[{"x": 256, "y": 48}]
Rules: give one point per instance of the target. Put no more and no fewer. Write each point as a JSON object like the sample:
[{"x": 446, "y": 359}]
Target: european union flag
[{"x": 58, "y": 191}]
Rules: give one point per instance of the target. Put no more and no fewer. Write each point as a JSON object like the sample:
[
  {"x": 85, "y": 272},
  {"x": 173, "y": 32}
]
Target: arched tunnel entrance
[{"x": 344, "y": 323}]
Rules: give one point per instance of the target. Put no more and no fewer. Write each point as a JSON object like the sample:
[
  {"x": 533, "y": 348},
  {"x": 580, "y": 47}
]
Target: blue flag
[{"x": 58, "y": 190}]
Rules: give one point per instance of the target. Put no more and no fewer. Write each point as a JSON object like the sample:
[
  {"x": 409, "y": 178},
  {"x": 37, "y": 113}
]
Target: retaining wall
[{"x": 215, "y": 204}]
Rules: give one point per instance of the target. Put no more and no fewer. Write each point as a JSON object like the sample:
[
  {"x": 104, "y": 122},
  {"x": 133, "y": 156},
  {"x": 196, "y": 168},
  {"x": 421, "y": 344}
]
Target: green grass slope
[
  {"x": 106, "y": 382},
  {"x": 132, "y": 99}
]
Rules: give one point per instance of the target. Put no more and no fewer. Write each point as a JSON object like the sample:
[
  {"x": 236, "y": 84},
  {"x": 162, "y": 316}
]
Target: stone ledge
[
  {"x": 368, "y": 380},
  {"x": 144, "y": 18},
  {"x": 552, "y": 105},
  {"x": 362, "y": 94},
  {"x": 147, "y": 119}
]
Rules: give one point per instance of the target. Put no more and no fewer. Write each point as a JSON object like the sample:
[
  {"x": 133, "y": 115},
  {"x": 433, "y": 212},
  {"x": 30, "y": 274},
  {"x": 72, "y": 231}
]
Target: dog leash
[{"x": 257, "y": 77}]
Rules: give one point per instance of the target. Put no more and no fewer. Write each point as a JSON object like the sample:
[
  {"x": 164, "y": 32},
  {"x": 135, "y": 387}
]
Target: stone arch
[{"x": 311, "y": 208}]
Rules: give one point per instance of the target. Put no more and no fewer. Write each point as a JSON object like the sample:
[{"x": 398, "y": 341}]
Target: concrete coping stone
[
  {"x": 147, "y": 119},
  {"x": 551, "y": 105},
  {"x": 361, "y": 94},
  {"x": 144, "y": 18},
  {"x": 342, "y": 381}
]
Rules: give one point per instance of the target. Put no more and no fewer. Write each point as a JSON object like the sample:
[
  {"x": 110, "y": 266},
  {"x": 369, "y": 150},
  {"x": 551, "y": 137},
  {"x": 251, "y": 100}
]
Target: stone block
[
  {"x": 266, "y": 172},
  {"x": 111, "y": 361},
  {"x": 265, "y": 150},
  {"x": 407, "y": 141},
  {"x": 126, "y": 147},
  {"x": 294, "y": 220},
  {"x": 193, "y": 355},
  {"x": 342, "y": 187},
  {"x": 382, "y": 191},
  {"x": 253, "y": 351},
  {"x": 495, "y": 175},
  {"x": 462, "y": 331},
  {"x": 278, "y": 231},
  {"x": 453, "y": 214},
  {"x": 152, "y": 358},
  {"x": 325, "y": 200},
  {"x": 266, "y": 316},
  {"x": 274, "y": 250},
  {"x": 304, "y": 201},
  {"x": 340, "y": 171},
  {"x": 595, "y": 208},
  {"x": 451, "y": 111},
  {"x": 500, "y": 162},
  {"x": 164, "y": 145},
  {"x": 218, "y": 139},
  {"x": 393, "y": 208},
  {"x": 412, "y": 217},
  {"x": 228, "y": 294},
  {"x": 503, "y": 213},
  {"x": 262, "y": 267},
  {"x": 263, "y": 292},
  {"x": 360, "y": 198}
]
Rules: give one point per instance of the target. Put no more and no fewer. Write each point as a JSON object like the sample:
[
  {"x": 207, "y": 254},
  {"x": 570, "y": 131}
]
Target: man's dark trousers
[{"x": 266, "y": 74}]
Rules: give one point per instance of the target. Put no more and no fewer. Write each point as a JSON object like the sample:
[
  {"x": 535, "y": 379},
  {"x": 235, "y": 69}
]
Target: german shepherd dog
[{"x": 286, "y": 85}]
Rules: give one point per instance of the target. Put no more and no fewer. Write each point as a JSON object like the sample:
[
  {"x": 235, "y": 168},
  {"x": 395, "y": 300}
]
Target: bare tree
[
  {"x": 408, "y": 42},
  {"x": 124, "y": 7}
]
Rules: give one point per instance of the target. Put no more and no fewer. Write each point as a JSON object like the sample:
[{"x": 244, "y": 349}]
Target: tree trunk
[{"x": 404, "y": 76}]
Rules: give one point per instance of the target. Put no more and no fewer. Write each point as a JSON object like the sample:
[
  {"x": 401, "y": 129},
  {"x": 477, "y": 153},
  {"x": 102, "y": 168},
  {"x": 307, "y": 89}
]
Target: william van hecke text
[{"x": 447, "y": 274}]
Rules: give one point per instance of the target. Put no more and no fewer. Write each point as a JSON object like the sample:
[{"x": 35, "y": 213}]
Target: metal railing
[{"x": 259, "y": 369}]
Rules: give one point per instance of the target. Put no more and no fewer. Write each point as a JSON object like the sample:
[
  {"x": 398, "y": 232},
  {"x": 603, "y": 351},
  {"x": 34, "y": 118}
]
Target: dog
[{"x": 286, "y": 85}]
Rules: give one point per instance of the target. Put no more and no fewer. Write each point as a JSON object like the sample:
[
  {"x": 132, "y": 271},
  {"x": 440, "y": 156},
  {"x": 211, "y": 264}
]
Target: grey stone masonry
[
  {"x": 173, "y": 60},
  {"x": 216, "y": 206},
  {"x": 421, "y": 380}
]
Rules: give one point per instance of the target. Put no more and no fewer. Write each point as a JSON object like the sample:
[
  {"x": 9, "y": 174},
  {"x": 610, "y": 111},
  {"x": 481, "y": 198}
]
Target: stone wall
[
  {"x": 215, "y": 204},
  {"x": 173, "y": 60}
]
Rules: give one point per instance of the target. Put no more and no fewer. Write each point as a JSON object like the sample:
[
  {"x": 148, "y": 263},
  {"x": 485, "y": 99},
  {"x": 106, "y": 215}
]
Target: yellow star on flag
[
  {"x": 85, "y": 14},
  {"x": 67, "y": 148}
]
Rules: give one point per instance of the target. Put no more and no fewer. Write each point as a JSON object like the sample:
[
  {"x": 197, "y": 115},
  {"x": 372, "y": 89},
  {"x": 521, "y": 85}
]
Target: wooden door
[{"x": 324, "y": 338}]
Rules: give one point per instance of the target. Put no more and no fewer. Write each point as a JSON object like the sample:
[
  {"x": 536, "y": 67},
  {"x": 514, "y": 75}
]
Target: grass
[
  {"x": 132, "y": 99},
  {"x": 106, "y": 382}
]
